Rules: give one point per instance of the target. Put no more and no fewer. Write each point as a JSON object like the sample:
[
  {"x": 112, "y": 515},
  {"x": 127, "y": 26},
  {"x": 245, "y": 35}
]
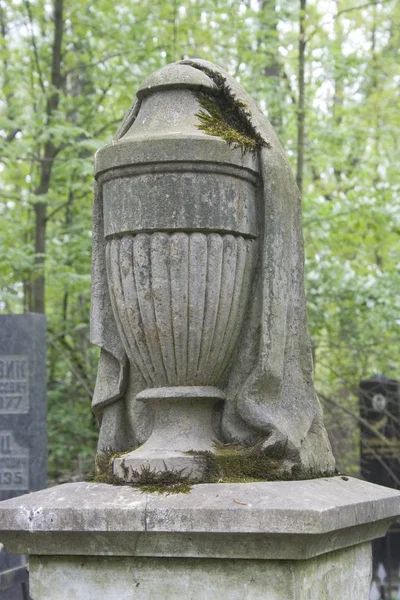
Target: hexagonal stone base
[{"x": 287, "y": 540}]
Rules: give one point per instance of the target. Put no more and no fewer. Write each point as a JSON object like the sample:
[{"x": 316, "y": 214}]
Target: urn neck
[{"x": 166, "y": 113}]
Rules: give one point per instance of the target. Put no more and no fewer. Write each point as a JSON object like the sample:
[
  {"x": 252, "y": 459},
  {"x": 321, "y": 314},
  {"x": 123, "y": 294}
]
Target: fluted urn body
[
  {"x": 179, "y": 300},
  {"x": 179, "y": 209}
]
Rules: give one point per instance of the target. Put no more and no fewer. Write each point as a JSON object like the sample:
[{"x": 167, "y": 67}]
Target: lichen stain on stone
[{"x": 239, "y": 201}]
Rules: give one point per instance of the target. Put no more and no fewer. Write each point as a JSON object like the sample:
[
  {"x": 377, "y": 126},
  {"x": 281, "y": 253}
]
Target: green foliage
[
  {"x": 71, "y": 428},
  {"x": 350, "y": 207}
]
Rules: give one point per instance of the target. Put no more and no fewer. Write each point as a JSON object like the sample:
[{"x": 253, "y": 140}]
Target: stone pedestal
[{"x": 299, "y": 540}]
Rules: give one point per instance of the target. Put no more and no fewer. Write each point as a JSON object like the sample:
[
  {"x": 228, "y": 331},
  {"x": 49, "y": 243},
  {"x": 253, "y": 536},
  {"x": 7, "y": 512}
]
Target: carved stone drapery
[{"x": 198, "y": 284}]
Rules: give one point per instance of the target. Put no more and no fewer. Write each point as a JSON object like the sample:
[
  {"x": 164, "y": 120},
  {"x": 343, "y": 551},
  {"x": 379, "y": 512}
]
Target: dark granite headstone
[
  {"x": 380, "y": 430},
  {"x": 379, "y": 463},
  {"x": 22, "y": 424}
]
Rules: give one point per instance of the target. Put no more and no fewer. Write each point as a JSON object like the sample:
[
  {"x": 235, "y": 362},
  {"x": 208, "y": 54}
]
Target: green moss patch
[
  {"x": 164, "y": 482},
  {"x": 234, "y": 463},
  {"x": 103, "y": 472},
  {"x": 147, "y": 480},
  {"x": 225, "y": 116},
  {"x": 227, "y": 463}
]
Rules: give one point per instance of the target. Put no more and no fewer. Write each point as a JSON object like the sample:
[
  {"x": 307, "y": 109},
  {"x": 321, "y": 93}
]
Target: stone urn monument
[
  {"x": 198, "y": 301},
  {"x": 205, "y": 384},
  {"x": 180, "y": 237}
]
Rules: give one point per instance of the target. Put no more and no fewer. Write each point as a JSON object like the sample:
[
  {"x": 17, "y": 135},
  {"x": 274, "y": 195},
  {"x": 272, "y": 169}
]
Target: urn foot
[{"x": 183, "y": 419}]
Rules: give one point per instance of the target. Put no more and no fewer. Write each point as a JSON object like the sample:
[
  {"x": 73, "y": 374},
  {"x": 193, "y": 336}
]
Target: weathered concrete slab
[
  {"x": 328, "y": 577},
  {"x": 280, "y": 520}
]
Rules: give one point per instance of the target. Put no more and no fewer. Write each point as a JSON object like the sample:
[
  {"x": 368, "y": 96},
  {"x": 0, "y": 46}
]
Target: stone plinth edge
[{"x": 273, "y": 520}]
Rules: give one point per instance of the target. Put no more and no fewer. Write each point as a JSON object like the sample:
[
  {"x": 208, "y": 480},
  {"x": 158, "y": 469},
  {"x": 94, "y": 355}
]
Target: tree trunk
[
  {"x": 273, "y": 65},
  {"x": 301, "y": 102},
  {"x": 48, "y": 154}
]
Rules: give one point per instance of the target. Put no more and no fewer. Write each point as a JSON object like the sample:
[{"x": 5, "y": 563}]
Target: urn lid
[
  {"x": 175, "y": 76},
  {"x": 166, "y": 126}
]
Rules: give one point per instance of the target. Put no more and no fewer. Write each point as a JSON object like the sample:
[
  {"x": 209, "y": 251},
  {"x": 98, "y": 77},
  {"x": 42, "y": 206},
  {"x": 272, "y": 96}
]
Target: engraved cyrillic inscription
[
  {"x": 14, "y": 463},
  {"x": 14, "y": 393}
]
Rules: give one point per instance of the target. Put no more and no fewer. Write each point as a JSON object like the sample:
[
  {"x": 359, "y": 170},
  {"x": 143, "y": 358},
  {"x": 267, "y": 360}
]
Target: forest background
[{"x": 327, "y": 74}]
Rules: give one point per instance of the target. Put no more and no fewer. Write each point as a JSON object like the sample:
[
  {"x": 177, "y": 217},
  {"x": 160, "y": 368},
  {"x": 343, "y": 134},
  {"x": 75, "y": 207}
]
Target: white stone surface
[
  {"x": 277, "y": 520},
  {"x": 179, "y": 301},
  {"x": 181, "y": 198},
  {"x": 340, "y": 575},
  {"x": 183, "y": 422},
  {"x": 303, "y": 540}
]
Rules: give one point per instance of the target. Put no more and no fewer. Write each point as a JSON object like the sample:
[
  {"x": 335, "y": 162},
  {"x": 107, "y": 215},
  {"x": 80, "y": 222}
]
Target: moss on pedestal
[
  {"x": 148, "y": 480},
  {"x": 227, "y": 463},
  {"x": 234, "y": 463},
  {"x": 103, "y": 469},
  {"x": 164, "y": 482}
]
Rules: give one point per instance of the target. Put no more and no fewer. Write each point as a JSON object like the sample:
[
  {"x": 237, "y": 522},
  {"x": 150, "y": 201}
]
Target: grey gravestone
[{"x": 22, "y": 424}]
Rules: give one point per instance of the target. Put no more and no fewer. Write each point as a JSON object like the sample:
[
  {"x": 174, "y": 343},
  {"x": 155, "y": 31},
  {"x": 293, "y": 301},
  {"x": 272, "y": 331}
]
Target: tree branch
[
  {"x": 35, "y": 50},
  {"x": 55, "y": 211},
  {"x": 360, "y": 420},
  {"x": 359, "y": 7},
  {"x": 105, "y": 127}
]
